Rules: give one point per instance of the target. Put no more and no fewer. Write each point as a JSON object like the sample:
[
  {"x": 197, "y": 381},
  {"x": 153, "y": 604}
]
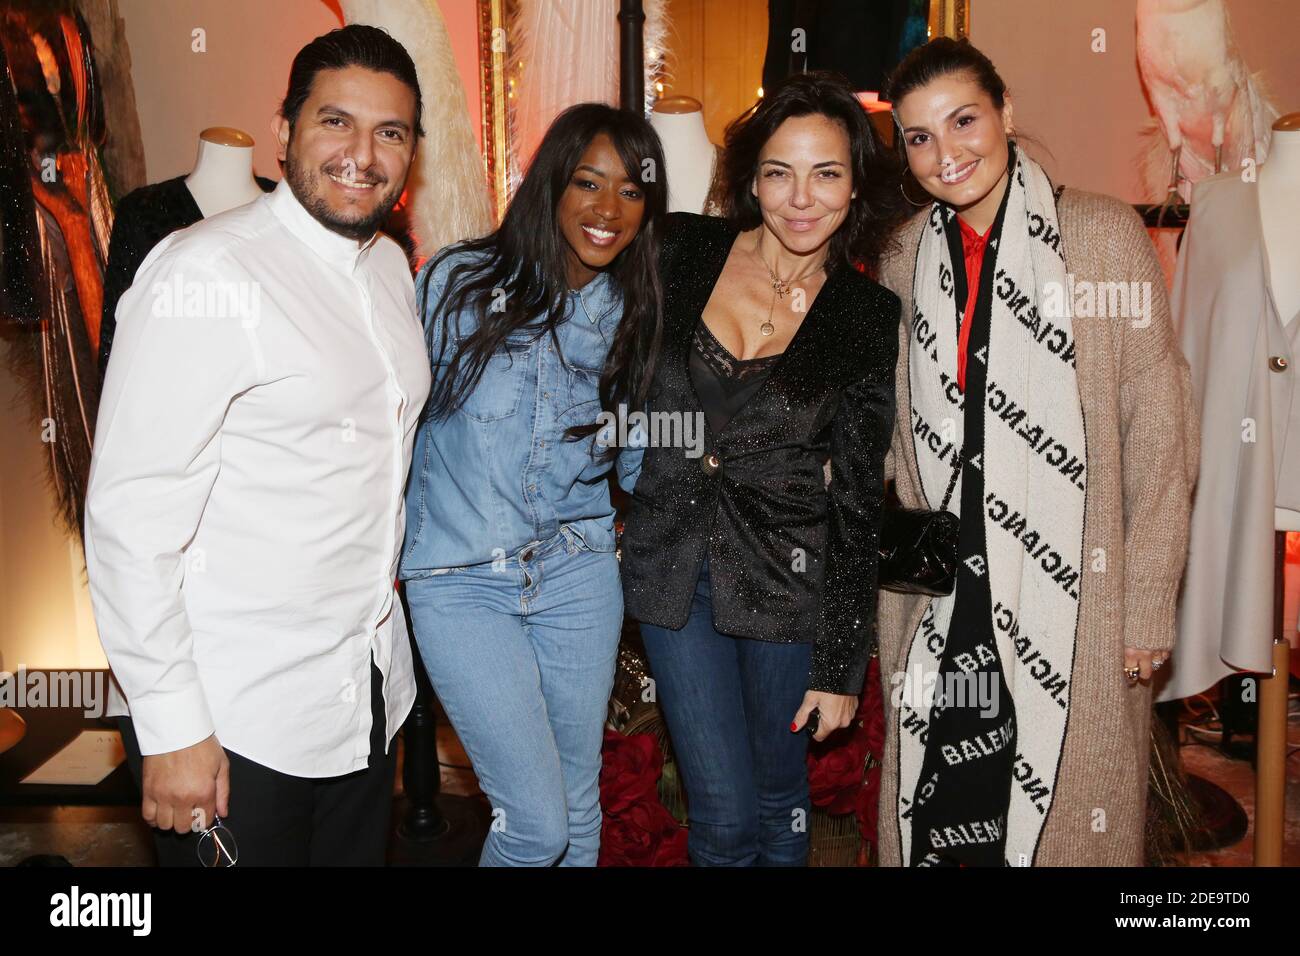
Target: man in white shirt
[{"x": 244, "y": 515}]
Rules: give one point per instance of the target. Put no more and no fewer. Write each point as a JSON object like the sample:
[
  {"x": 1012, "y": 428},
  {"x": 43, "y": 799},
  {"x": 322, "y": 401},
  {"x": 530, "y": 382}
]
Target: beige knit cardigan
[{"x": 1142, "y": 445}]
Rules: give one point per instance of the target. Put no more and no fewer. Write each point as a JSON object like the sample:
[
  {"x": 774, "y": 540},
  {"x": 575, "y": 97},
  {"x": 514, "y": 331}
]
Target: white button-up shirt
[{"x": 245, "y": 510}]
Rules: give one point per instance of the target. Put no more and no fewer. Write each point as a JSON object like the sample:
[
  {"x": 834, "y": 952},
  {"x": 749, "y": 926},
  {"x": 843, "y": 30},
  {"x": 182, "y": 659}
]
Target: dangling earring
[{"x": 902, "y": 188}]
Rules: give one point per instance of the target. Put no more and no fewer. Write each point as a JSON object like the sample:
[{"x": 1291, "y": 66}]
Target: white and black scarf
[{"x": 1033, "y": 467}]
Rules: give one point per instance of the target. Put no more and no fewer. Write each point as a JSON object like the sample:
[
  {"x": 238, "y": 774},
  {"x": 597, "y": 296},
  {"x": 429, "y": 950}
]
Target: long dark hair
[
  {"x": 519, "y": 287},
  {"x": 877, "y": 208}
]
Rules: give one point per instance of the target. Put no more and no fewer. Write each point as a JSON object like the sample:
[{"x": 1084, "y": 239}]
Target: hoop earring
[{"x": 903, "y": 189}]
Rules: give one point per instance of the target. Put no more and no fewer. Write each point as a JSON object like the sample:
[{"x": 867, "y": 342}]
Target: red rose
[
  {"x": 637, "y": 830},
  {"x": 629, "y": 771},
  {"x": 835, "y": 773},
  {"x": 644, "y": 834},
  {"x": 672, "y": 843},
  {"x": 622, "y": 843},
  {"x": 837, "y": 765}
]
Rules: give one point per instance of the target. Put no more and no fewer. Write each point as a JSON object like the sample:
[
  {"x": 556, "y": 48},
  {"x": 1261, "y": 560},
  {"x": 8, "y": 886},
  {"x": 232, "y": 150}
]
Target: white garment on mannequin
[
  {"x": 1279, "y": 211},
  {"x": 1229, "y": 331},
  {"x": 223, "y": 171},
  {"x": 688, "y": 153}
]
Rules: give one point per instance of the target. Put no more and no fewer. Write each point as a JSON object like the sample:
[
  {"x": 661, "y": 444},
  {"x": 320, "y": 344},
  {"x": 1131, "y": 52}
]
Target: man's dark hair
[{"x": 353, "y": 45}]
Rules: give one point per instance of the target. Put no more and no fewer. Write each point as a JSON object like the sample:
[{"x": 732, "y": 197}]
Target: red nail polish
[{"x": 794, "y": 725}]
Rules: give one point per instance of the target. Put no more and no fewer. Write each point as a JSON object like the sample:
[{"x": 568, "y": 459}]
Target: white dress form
[
  {"x": 223, "y": 171},
  {"x": 679, "y": 121}
]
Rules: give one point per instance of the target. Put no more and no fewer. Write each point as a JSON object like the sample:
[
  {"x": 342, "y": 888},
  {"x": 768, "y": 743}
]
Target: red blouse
[{"x": 973, "y": 245}]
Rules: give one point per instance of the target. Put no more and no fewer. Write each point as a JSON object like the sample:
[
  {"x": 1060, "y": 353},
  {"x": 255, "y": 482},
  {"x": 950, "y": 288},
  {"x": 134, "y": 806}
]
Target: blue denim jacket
[{"x": 497, "y": 474}]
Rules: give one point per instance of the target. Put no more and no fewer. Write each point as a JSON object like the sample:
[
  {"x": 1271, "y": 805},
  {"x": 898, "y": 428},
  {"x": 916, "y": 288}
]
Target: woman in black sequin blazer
[{"x": 754, "y": 581}]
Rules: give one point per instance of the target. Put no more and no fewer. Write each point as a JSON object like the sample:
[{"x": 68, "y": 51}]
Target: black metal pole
[
  {"x": 421, "y": 778},
  {"x": 434, "y": 828},
  {"x": 631, "y": 76}
]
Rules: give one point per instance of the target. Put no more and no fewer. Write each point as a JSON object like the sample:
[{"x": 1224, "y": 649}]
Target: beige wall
[
  {"x": 239, "y": 81},
  {"x": 241, "y": 78},
  {"x": 715, "y": 54},
  {"x": 1088, "y": 108},
  {"x": 45, "y": 616}
]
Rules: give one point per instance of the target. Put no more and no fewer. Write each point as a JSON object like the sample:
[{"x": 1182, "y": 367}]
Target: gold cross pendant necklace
[{"x": 782, "y": 288}]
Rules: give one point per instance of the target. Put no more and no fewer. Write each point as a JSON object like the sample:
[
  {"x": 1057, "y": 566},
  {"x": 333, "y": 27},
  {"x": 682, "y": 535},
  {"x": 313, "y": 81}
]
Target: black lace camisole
[{"x": 723, "y": 382}]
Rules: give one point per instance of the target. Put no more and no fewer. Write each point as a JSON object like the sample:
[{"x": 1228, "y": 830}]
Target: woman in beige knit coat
[{"x": 1041, "y": 397}]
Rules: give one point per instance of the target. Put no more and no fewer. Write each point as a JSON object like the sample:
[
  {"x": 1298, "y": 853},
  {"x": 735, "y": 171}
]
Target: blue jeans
[
  {"x": 521, "y": 654},
  {"x": 728, "y": 702}
]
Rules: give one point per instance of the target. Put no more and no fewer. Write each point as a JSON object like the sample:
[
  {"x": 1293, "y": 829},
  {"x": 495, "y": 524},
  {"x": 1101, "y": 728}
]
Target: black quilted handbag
[{"x": 918, "y": 547}]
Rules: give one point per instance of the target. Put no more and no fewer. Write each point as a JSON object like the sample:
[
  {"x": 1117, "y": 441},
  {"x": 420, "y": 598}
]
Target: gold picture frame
[
  {"x": 493, "y": 50},
  {"x": 949, "y": 18}
]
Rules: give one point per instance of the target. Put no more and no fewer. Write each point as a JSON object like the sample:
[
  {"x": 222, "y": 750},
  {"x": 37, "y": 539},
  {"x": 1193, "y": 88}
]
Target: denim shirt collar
[{"x": 597, "y": 299}]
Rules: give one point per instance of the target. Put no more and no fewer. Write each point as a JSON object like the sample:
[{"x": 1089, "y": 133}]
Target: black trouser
[{"x": 281, "y": 820}]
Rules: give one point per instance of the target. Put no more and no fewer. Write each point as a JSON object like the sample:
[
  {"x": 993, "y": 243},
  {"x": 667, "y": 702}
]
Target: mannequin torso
[
  {"x": 679, "y": 121},
  {"x": 223, "y": 171},
  {"x": 222, "y": 179}
]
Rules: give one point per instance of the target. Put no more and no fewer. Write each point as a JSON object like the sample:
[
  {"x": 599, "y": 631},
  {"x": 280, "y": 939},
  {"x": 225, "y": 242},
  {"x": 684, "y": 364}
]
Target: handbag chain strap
[{"x": 952, "y": 482}]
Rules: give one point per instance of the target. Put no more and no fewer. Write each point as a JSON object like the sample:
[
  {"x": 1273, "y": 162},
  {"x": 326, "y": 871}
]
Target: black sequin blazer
[{"x": 789, "y": 559}]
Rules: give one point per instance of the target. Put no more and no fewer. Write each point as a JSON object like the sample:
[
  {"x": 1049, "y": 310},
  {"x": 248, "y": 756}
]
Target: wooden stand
[{"x": 1270, "y": 757}]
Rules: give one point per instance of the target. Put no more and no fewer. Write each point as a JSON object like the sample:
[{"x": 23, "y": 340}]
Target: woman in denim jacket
[{"x": 509, "y": 561}]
